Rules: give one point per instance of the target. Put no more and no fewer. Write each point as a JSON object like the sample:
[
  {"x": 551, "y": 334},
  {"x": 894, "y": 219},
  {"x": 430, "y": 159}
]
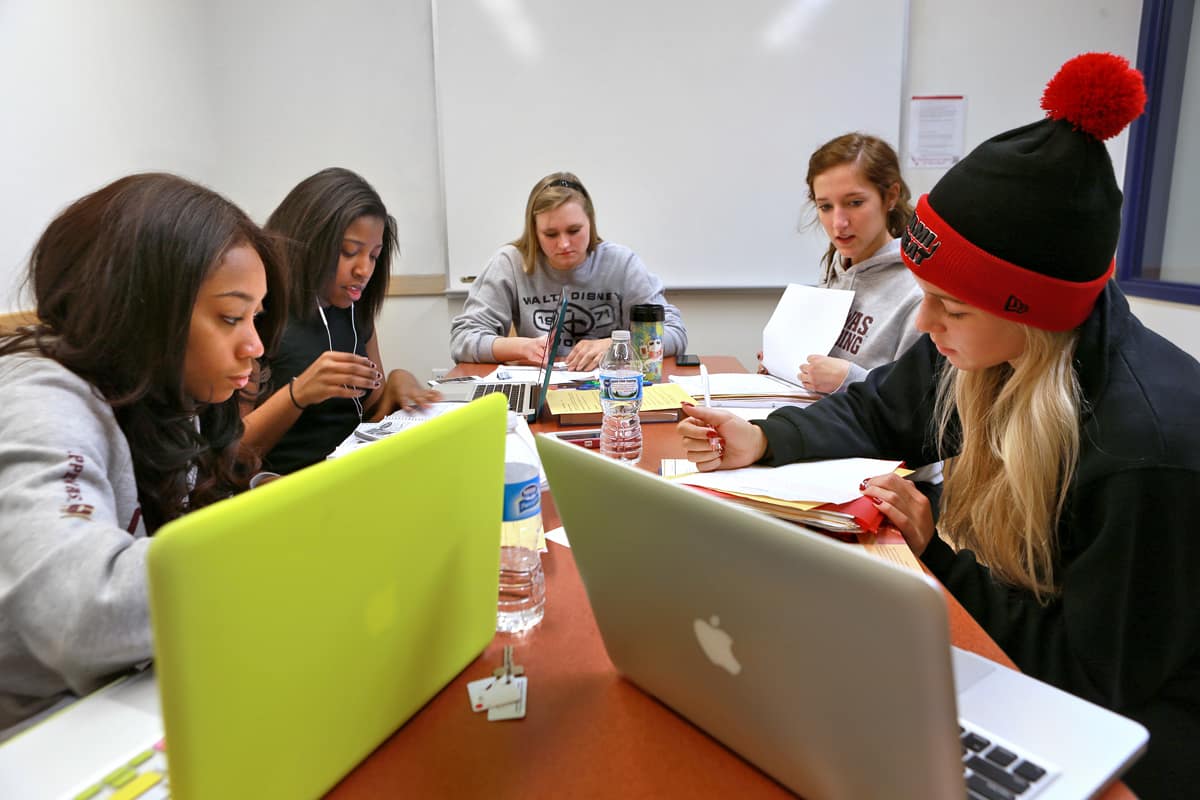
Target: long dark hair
[
  {"x": 115, "y": 277},
  {"x": 879, "y": 165},
  {"x": 311, "y": 222}
]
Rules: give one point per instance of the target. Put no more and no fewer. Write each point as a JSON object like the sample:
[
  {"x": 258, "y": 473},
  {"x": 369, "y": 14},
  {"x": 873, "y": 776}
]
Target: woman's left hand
[
  {"x": 585, "y": 355},
  {"x": 904, "y": 506},
  {"x": 823, "y": 374},
  {"x": 403, "y": 391}
]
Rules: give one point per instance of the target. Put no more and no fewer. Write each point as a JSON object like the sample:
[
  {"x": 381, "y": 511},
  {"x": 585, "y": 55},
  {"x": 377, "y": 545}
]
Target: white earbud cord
[{"x": 329, "y": 336}]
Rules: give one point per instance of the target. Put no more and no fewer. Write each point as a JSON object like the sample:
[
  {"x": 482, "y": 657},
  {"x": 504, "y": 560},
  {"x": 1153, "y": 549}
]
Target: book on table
[{"x": 661, "y": 402}]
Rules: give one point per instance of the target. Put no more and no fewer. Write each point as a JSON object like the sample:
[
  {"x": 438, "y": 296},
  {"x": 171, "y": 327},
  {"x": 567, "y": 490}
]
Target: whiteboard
[{"x": 690, "y": 124}]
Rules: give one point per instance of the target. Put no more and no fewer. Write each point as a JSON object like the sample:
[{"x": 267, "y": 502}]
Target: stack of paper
[
  {"x": 745, "y": 389},
  {"x": 820, "y": 493},
  {"x": 848, "y": 515}
]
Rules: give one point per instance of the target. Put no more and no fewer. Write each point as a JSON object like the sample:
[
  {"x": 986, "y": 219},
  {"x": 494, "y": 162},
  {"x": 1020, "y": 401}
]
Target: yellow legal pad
[{"x": 656, "y": 397}]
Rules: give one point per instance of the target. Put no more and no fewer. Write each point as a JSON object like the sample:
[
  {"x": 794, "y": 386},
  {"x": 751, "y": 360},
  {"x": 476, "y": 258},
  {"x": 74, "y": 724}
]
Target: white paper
[
  {"x": 807, "y": 321},
  {"x": 528, "y": 374},
  {"x": 558, "y": 536},
  {"x": 367, "y": 432},
  {"x": 936, "y": 130},
  {"x": 750, "y": 409},
  {"x": 832, "y": 481},
  {"x": 724, "y": 384}
]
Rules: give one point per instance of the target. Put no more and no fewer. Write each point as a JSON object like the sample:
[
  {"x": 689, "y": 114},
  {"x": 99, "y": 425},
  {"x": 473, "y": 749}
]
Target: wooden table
[{"x": 587, "y": 731}]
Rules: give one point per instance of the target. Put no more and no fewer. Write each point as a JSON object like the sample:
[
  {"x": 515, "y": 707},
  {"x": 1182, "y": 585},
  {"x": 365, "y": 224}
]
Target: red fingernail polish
[
  {"x": 686, "y": 403},
  {"x": 876, "y": 500},
  {"x": 862, "y": 486}
]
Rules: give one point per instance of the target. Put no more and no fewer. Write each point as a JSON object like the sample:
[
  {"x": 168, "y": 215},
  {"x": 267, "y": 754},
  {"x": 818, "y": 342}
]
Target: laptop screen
[{"x": 555, "y": 336}]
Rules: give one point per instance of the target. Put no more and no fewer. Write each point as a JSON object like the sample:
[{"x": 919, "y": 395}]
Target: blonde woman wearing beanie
[{"x": 1072, "y": 453}]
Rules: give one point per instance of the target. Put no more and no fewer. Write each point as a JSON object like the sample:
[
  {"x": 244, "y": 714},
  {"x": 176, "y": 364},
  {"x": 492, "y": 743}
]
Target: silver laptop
[
  {"x": 525, "y": 398},
  {"x": 830, "y": 670}
]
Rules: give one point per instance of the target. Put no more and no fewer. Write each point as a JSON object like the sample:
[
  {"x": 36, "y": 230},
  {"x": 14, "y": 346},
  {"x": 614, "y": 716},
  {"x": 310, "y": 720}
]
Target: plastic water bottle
[
  {"x": 522, "y": 600},
  {"x": 621, "y": 398}
]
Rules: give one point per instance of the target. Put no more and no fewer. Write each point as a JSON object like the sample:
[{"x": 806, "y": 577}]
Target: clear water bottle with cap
[
  {"x": 522, "y": 599},
  {"x": 621, "y": 399}
]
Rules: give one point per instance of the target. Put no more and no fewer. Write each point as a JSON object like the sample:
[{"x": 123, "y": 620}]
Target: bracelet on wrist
[{"x": 292, "y": 394}]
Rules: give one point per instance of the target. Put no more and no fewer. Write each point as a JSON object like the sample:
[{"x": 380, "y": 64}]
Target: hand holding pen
[{"x": 716, "y": 439}]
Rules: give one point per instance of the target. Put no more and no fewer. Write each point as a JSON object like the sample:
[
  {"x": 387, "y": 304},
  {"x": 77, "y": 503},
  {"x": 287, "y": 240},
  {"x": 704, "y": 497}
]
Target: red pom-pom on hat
[{"x": 1098, "y": 93}]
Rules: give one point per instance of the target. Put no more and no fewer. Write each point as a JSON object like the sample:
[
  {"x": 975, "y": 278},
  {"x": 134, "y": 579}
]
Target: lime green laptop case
[{"x": 298, "y": 625}]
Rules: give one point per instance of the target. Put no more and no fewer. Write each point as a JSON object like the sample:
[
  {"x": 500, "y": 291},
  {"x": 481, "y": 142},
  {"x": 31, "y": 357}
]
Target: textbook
[{"x": 661, "y": 402}]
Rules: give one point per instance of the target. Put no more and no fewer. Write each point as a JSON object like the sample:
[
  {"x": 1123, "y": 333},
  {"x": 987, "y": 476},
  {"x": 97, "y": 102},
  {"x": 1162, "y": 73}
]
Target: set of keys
[{"x": 503, "y": 694}]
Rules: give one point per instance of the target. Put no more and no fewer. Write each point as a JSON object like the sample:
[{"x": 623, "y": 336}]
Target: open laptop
[
  {"x": 830, "y": 670},
  {"x": 298, "y": 625},
  {"x": 525, "y": 398}
]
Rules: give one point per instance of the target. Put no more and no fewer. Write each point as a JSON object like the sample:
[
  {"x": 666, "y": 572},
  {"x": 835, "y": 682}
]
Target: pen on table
[{"x": 704, "y": 383}]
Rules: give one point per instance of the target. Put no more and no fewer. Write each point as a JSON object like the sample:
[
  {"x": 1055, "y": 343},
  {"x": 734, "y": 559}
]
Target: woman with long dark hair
[
  {"x": 120, "y": 414},
  {"x": 328, "y": 376}
]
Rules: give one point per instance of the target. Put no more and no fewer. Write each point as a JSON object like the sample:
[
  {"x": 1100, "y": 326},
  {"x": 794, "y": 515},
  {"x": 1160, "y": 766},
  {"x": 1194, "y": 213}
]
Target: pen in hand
[{"x": 704, "y": 384}]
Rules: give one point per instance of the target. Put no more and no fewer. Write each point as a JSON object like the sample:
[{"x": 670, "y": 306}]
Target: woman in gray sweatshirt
[
  {"x": 863, "y": 205},
  {"x": 558, "y": 251},
  {"x": 119, "y": 415}
]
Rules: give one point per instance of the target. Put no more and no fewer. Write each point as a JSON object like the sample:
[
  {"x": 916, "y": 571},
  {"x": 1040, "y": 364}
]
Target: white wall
[
  {"x": 251, "y": 97},
  {"x": 90, "y": 92},
  {"x": 304, "y": 86}
]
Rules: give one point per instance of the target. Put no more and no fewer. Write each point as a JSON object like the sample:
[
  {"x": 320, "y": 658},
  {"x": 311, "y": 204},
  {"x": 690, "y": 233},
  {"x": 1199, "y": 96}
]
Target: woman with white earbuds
[{"x": 327, "y": 374}]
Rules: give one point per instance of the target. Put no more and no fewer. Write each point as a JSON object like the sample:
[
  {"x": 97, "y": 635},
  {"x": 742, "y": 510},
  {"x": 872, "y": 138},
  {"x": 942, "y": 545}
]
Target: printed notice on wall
[{"x": 936, "y": 130}]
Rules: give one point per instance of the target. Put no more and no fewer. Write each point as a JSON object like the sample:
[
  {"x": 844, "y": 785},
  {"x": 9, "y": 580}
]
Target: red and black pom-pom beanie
[{"x": 1025, "y": 226}]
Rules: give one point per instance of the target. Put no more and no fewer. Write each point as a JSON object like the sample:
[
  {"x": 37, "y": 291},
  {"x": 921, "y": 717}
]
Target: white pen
[{"x": 704, "y": 383}]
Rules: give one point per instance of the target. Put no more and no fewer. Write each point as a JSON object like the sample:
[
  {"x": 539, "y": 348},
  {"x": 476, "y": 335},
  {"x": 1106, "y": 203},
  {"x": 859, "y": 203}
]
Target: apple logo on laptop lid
[{"x": 716, "y": 644}]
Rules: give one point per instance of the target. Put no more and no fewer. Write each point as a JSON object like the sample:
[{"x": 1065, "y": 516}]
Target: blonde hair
[
  {"x": 879, "y": 166},
  {"x": 1005, "y": 489},
  {"x": 548, "y": 194}
]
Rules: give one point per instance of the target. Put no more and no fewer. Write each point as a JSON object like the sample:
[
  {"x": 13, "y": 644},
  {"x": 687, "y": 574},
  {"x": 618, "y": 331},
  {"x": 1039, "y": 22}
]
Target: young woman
[
  {"x": 863, "y": 205},
  {"x": 559, "y": 250},
  {"x": 119, "y": 415},
  {"x": 327, "y": 374},
  {"x": 1069, "y": 430}
]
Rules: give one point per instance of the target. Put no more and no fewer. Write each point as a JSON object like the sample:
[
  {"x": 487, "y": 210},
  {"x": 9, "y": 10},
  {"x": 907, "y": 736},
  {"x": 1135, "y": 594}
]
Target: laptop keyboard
[
  {"x": 143, "y": 777},
  {"x": 515, "y": 392},
  {"x": 995, "y": 770}
]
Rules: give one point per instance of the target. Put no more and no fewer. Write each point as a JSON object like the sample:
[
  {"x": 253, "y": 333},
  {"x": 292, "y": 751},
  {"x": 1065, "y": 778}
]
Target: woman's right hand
[
  {"x": 520, "y": 350},
  {"x": 761, "y": 369},
  {"x": 715, "y": 439},
  {"x": 336, "y": 374}
]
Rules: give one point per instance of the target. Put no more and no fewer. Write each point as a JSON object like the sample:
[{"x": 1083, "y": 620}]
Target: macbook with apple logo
[{"x": 827, "y": 668}]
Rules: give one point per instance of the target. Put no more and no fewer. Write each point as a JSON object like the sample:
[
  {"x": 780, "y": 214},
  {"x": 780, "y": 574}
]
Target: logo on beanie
[
  {"x": 918, "y": 242},
  {"x": 1013, "y": 305}
]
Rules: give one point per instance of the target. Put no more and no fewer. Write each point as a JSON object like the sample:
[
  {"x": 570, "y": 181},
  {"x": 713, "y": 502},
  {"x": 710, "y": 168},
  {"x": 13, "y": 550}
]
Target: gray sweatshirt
[
  {"x": 882, "y": 320},
  {"x": 600, "y": 292},
  {"x": 73, "y": 600}
]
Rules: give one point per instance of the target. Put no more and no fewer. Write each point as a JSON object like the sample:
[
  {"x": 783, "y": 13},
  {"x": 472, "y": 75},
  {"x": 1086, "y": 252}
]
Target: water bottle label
[
  {"x": 621, "y": 387},
  {"x": 522, "y": 499}
]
